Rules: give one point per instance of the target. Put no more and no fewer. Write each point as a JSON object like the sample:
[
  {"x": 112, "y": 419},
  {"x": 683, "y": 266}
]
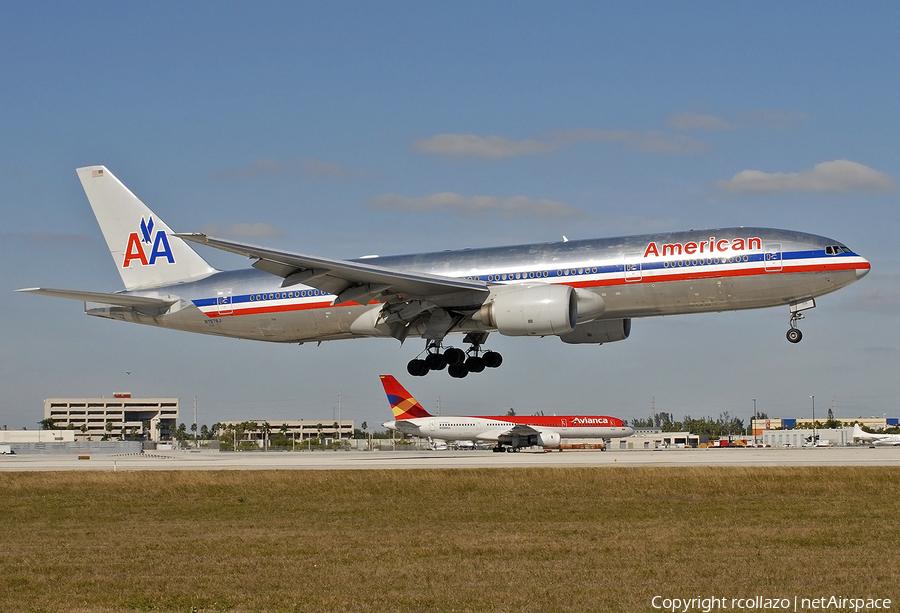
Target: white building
[
  {"x": 118, "y": 417},
  {"x": 37, "y": 436},
  {"x": 838, "y": 437}
]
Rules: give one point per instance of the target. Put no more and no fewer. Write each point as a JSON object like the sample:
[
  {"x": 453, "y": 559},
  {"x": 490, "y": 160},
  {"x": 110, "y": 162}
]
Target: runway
[{"x": 377, "y": 460}]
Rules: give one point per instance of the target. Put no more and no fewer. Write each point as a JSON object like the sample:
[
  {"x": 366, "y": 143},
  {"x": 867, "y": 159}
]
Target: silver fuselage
[{"x": 636, "y": 276}]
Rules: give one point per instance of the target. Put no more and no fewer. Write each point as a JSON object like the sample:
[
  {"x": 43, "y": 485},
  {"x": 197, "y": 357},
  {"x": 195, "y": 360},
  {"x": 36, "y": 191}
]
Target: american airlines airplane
[
  {"x": 510, "y": 432},
  {"x": 581, "y": 291}
]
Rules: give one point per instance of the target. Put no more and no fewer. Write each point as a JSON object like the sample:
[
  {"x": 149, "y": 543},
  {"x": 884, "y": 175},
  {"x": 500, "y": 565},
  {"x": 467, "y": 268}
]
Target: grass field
[{"x": 606, "y": 539}]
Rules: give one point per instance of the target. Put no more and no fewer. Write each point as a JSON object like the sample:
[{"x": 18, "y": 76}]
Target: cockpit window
[{"x": 836, "y": 250}]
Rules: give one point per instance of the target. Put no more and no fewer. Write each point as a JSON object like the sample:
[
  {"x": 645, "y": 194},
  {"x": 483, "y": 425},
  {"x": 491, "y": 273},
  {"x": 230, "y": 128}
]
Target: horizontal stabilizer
[{"x": 124, "y": 300}]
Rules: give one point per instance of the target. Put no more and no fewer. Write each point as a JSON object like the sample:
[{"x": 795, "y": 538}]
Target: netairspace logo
[{"x": 761, "y": 603}]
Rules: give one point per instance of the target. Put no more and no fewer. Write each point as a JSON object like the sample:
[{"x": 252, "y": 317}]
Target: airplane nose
[{"x": 863, "y": 270}]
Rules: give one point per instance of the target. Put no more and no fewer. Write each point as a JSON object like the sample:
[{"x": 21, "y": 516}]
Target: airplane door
[
  {"x": 223, "y": 300},
  {"x": 432, "y": 425},
  {"x": 565, "y": 424},
  {"x": 772, "y": 254},
  {"x": 632, "y": 267}
]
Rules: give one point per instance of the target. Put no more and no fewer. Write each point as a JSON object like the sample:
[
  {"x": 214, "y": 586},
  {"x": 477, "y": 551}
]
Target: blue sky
[{"x": 344, "y": 129}]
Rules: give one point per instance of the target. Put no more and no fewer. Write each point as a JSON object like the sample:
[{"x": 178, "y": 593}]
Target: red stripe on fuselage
[
  {"x": 555, "y": 421},
  {"x": 657, "y": 276},
  {"x": 651, "y": 276}
]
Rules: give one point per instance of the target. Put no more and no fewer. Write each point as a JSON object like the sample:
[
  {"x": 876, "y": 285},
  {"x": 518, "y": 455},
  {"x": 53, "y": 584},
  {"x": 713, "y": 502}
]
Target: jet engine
[
  {"x": 547, "y": 439},
  {"x": 598, "y": 332},
  {"x": 537, "y": 310}
]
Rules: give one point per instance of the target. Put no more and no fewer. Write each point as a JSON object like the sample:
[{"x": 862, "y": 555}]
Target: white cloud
[
  {"x": 496, "y": 147},
  {"x": 243, "y": 230},
  {"x": 311, "y": 167},
  {"x": 516, "y": 206},
  {"x": 832, "y": 177},
  {"x": 259, "y": 168},
  {"x": 882, "y": 295},
  {"x": 693, "y": 121},
  {"x": 767, "y": 119},
  {"x": 481, "y": 146},
  {"x": 39, "y": 238},
  {"x": 647, "y": 141},
  {"x": 772, "y": 119}
]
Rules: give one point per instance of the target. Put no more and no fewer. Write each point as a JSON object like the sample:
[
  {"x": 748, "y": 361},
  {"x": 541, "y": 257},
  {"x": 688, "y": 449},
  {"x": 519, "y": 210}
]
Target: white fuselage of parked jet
[
  {"x": 458, "y": 428},
  {"x": 510, "y": 432},
  {"x": 886, "y": 440}
]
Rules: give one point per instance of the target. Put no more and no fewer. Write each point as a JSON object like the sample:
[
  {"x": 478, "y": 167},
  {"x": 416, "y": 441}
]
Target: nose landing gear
[{"x": 794, "y": 335}]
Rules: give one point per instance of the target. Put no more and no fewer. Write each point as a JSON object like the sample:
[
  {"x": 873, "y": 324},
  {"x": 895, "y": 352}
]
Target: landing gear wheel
[
  {"x": 454, "y": 356},
  {"x": 458, "y": 371},
  {"x": 794, "y": 335},
  {"x": 417, "y": 368},
  {"x": 492, "y": 359},
  {"x": 475, "y": 364},
  {"x": 435, "y": 361}
]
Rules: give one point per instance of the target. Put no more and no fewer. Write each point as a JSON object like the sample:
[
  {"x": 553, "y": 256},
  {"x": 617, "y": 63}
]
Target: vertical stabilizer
[
  {"x": 142, "y": 246},
  {"x": 403, "y": 404}
]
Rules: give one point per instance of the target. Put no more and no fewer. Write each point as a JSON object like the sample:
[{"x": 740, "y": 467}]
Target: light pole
[
  {"x": 753, "y": 423},
  {"x": 815, "y": 438}
]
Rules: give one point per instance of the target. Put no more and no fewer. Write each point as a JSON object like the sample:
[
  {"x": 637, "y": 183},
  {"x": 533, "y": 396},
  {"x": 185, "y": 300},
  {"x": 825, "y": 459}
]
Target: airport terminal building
[{"x": 118, "y": 417}]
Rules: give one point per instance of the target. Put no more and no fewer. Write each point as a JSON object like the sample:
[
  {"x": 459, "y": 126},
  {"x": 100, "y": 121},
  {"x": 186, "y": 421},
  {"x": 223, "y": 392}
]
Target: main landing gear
[
  {"x": 499, "y": 448},
  {"x": 794, "y": 335},
  {"x": 458, "y": 363}
]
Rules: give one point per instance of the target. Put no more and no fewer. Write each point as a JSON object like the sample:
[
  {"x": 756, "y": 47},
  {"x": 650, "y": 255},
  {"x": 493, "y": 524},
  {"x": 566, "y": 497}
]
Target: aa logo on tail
[{"x": 135, "y": 249}]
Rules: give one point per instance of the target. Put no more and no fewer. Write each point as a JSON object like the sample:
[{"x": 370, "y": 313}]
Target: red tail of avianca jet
[{"x": 511, "y": 432}]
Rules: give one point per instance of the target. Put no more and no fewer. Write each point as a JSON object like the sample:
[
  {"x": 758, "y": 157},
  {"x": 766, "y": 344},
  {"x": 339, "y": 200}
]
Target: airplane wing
[
  {"x": 124, "y": 300},
  {"x": 523, "y": 430},
  {"x": 507, "y": 432},
  {"x": 355, "y": 281}
]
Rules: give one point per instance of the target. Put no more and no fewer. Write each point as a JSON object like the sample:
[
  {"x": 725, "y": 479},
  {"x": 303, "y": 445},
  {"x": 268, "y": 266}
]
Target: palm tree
[{"x": 266, "y": 428}]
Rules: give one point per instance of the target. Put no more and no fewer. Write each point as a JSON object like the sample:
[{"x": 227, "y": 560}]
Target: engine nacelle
[
  {"x": 369, "y": 323},
  {"x": 547, "y": 439},
  {"x": 598, "y": 332},
  {"x": 590, "y": 305},
  {"x": 536, "y": 310}
]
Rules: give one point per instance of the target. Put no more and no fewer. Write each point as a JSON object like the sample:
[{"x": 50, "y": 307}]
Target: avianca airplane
[
  {"x": 510, "y": 432},
  {"x": 875, "y": 439},
  {"x": 581, "y": 291}
]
